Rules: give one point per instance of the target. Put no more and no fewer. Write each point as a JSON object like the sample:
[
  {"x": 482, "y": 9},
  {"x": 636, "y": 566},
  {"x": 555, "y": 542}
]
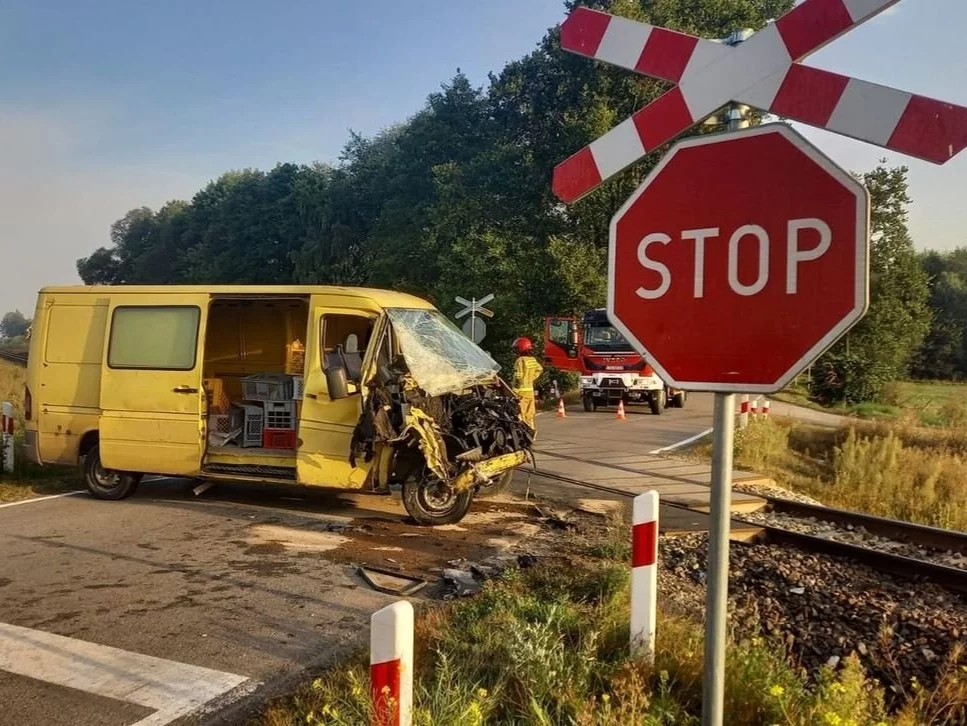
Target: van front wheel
[
  {"x": 107, "y": 483},
  {"x": 431, "y": 501}
]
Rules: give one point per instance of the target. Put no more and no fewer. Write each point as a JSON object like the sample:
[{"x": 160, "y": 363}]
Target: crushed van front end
[{"x": 451, "y": 425}]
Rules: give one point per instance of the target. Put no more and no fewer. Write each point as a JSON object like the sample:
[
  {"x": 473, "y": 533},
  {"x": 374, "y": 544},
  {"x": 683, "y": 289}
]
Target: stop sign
[{"x": 739, "y": 260}]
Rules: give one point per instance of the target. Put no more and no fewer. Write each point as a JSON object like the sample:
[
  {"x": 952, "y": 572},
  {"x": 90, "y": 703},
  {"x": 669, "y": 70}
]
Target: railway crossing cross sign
[
  {"x": 763, "y": 71},
  {"x": 753, "y": 230},
  {"x": 474, "y": 327}
]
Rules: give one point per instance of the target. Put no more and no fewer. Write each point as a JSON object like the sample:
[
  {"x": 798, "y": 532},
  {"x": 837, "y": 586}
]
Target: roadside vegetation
[
  {"x": 548, "y": 645},
  {"x": 898, "y": 469},
  {"x": 28, "y": 480}
]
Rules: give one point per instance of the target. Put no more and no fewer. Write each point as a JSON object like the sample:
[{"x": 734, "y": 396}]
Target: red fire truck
[{"x": 611, "y": 370}]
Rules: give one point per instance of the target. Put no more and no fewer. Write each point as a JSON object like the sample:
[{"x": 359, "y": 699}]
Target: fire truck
[{"x": 610, "y": 369}]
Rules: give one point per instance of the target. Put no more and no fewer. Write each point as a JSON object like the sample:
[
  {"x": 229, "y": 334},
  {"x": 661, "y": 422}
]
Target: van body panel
[
  {"x": 152, "y": 398},
  {"x": 71, "y": 342},
  {"x": 326, "y": 426}
]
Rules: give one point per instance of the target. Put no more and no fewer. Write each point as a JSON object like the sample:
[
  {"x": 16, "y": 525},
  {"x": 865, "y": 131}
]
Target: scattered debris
[{"x": 383, "y": 584}]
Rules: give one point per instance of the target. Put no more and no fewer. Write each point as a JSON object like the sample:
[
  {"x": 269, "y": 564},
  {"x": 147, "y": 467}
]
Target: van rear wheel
[
  {"x": 431, "y": 501},
  {"x": 107, "y": 483}
]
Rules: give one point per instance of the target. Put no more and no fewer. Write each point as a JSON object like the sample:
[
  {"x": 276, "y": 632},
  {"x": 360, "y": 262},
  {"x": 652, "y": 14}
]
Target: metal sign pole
[
  {"x": 473, "y": 319},
  {"x": 717, "y": 583}
]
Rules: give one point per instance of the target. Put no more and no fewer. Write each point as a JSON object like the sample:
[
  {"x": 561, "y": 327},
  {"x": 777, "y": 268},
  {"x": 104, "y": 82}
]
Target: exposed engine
[{"x": 453, "y": 431}]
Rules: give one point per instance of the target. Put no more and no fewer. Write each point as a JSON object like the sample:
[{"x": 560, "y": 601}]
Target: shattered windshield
[{"x": 441, "y": 359}]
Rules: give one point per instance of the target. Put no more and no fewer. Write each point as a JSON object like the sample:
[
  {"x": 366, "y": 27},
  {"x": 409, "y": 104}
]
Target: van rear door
[{"x": 152, "y": 398}]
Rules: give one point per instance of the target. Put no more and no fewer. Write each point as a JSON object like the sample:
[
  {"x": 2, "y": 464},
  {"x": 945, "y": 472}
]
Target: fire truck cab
[{"x": 611, "y": 369}]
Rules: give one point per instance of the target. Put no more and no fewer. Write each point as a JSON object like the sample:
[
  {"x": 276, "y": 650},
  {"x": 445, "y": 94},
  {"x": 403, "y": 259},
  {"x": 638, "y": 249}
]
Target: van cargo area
[{"x": 253, "y": 377}]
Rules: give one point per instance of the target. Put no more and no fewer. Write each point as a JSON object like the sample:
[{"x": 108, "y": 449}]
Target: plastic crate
[
  {"x": 218, "y": 402},
  {"x": 280, "y": 415},
  {"x": 220, "y": 424},
  {"x": 251, "y": 419},
  {"x": 278, "y": 439},
  {"x": 267, "y": 387}
]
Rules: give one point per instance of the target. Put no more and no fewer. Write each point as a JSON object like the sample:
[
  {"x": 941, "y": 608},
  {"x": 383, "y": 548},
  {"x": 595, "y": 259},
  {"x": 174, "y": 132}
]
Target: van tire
[
  {"x": 105, "y": 483},
  {"x": 431, "y": 502}
]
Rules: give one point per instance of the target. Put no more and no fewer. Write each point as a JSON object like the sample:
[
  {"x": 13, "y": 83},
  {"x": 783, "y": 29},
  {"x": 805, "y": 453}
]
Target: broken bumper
[{"x": 482, "y": 472}]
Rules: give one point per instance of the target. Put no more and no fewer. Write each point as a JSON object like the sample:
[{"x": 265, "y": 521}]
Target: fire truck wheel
[
  {"x": 678, "y": 400},
  {"x": 658, "y": 402},
  {"x": 589, "y": 405}
]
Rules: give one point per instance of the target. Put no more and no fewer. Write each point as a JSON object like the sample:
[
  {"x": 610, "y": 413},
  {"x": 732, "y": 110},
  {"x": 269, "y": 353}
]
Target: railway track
[
  {"x": 17, "y": 357},
  {"x": 908, "y": 537}
]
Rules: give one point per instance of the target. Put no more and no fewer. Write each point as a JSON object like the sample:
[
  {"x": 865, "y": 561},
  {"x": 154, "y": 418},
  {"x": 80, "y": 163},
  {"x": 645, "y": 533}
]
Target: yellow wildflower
[
  {"x": 776, "y": 690},
  {"x": 482, "y": 693},
  {"x": 833, "y": 719}
]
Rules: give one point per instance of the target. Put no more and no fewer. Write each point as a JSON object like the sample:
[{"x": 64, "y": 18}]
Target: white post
[
  {"x": 765, "y": 408},
  {"x": 6, "y": 435},
  {"x": 744, "y": 411},
  {"x": 755, "y": 408},
  {"x": 644, "y": 574},
  {"x": 391, "y": 665}
]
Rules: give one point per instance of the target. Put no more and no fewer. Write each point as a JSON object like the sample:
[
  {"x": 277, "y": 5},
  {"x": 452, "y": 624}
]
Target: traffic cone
[
  {"x": 561, "y": 413},
  {"x": 621, "y": 411}
]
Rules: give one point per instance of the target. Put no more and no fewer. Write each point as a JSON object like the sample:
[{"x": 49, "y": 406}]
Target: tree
[
  {"x": 880, "y": 348},
  {"x": 944, "y": 351},
  {"x": 14, "y": 325}
]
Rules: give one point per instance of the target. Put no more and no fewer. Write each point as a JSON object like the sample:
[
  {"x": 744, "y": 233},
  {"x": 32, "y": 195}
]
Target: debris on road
[{"x": 385, "y": 581}]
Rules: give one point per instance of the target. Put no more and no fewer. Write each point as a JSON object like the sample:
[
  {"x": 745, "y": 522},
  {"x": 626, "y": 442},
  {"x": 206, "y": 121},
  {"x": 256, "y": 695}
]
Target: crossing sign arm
[{"x": 762, "y": 72}]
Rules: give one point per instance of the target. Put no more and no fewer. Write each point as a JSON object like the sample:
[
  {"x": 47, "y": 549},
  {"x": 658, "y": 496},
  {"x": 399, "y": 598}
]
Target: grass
[
  {"x": 896, "y": 469},
  {"x": 930, "y": 403},
  {"x": 549, "y": 645},
  {"x": 28, "y": 480}
]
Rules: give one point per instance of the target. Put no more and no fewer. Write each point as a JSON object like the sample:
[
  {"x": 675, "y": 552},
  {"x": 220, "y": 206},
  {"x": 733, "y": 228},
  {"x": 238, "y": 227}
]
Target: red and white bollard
[
  {"x": 6, "y": 435},
  {"x": 391, "y": 665},
  {"x": 644, "y": 574},
  {"x": 755, "y": 408},
  {"x": 765, "y": 408},
  {"x": 744, "y": 411}
]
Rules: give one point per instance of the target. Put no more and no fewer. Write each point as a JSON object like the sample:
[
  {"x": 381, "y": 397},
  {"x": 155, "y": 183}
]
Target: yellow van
[{"x": 348, "y": 388}]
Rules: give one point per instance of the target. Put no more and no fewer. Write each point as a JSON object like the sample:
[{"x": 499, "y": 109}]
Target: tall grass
[
  {"x": 892, "y": 469},
  {"x": 549, "y": 646}
]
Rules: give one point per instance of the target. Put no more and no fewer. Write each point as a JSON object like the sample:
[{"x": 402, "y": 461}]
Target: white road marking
[
  {"x": 173, "y": 689},
  {"x": 680, "y": 444},
  {"x": 41, "y": 499}
]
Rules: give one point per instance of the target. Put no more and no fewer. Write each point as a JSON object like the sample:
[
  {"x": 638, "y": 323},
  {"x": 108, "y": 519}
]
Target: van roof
[{"x": 384, "y": 298}]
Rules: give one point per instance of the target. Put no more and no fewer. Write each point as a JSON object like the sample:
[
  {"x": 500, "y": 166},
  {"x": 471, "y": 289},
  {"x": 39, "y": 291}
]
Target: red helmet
[{"x": 523, "y": 346}]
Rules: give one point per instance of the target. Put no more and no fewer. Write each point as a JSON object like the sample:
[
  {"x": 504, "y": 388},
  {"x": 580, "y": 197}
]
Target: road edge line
[
  {"x": 33, "y": 500},
  {"x": 680, "y": 444}
]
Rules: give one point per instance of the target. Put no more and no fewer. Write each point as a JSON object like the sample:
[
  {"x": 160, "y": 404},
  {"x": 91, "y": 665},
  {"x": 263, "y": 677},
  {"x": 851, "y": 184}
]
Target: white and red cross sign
[{"x": 763, "y": 72}]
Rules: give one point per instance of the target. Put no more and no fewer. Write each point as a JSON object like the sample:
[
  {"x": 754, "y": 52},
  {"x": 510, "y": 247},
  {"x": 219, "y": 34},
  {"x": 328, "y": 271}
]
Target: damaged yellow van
[{"x": 347, "y": 388}]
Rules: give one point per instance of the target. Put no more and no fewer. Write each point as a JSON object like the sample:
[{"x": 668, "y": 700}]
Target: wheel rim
[
  {"x": 105, "y": 479},
  {"x": 437, "y": 496}
]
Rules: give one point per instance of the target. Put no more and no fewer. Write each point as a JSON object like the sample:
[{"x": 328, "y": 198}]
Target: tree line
[{"x": 457, "y": 201}]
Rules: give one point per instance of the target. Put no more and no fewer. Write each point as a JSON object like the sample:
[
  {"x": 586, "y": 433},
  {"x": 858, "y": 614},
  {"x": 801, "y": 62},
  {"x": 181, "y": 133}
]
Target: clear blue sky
[{"x": 113, "y": 104}]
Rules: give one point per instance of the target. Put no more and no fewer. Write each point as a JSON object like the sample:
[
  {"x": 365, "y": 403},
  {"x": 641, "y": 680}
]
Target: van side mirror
[{"x": 337, "y": 383}]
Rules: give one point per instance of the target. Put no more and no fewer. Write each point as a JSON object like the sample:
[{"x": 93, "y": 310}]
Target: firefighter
[{"x": 526, "y": 371}]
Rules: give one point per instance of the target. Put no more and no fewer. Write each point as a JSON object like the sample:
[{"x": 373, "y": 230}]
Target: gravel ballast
[{"x": 824, "y": 607}]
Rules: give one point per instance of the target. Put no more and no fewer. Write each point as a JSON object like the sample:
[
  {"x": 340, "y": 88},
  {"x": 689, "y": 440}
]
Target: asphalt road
[{"x": 167, "y": 604}]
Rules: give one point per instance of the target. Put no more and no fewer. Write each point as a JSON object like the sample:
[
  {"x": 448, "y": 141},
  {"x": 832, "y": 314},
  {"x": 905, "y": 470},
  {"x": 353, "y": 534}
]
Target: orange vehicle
[{"x": 611, "y": 369}]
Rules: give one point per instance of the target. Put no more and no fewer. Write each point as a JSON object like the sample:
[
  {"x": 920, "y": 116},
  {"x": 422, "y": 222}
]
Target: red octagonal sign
[{"x": 739, "y": 260}]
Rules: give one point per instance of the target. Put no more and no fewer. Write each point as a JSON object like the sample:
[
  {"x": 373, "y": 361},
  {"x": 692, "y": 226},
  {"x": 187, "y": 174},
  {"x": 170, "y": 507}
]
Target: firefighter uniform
[{"x": 526, "y": 371}]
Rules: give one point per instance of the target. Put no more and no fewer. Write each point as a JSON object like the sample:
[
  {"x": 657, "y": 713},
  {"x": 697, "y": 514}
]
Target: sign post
[
  {"x": 774, "y": 259},
  {"x": 474, "y": 328}
]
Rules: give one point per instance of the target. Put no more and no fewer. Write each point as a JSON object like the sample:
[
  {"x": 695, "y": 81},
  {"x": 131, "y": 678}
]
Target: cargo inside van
[{"x": 254, "y": 374}]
